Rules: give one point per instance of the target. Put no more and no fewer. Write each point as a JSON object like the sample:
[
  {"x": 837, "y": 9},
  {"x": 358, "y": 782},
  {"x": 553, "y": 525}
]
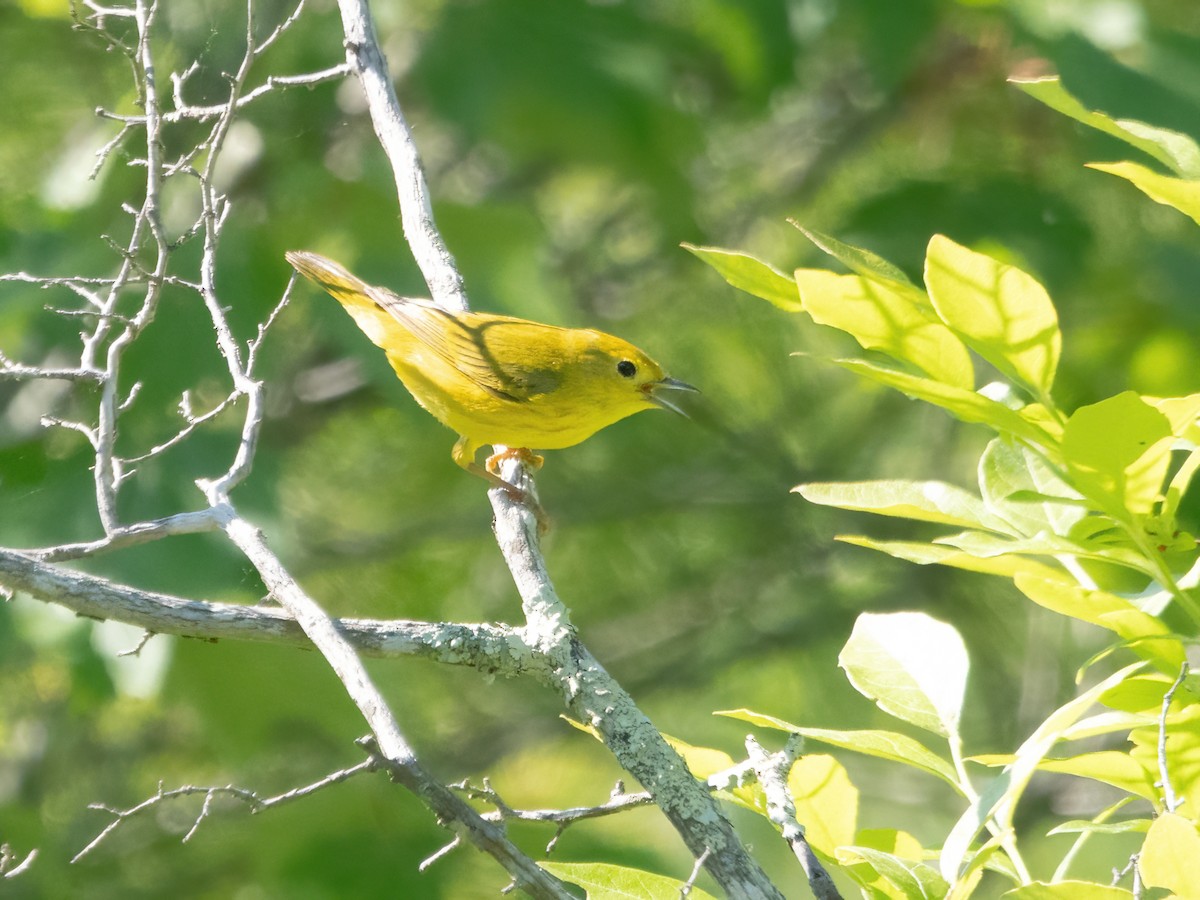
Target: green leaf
[
  {"x": 1169, "y": 855},
  {"x": 604, "y": 881},
  {"x": 887, "y": 318},
  {"x": 1109, "y": 611},
  {"x": 915, "y": 880},
  {"x": 1005, "y": 565},
  {"x": 913, "y": 666},
  {"x": 998, "y": 800},
  {"x": 1002, "y": 313},
  {"x": 1106, "y": 723},
  {"x": 970, "y": 406},
  {"x": 1183, "y": 195},
  {"x": 826, "y": 801},
  {"x": 924, "y": 501},
  {"x": 856, "y": 259},
  {"x": 1182, "y": 413},
  {"x": 1067, "y": 890},
  {"x": 1174, "y": 150},
  {"x": 746, "y": 273},
  {"x": 1082, "y": 826},
  {"x": 1107, "y": 766},
  {"x": 1009, "y": 473},
  {"x": 1118, "y": 452},
  {"x": 882, "y": 744}
]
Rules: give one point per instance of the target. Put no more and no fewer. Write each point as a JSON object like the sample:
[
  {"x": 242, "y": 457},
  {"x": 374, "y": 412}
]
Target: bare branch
[
  {"x": 772, "y": 770},
  {"x": 186, "y": 111},
  {"x": 7, "y": 858},
  {"x": 686, "y": 890},
  {"x": 1171, "y": 801},
  {"x": 251, "y": 799},
  {"x": 104, "y": 152},
  {"x": 394, "y": 750},
  {"x": 445, "y": 851},
  {"x": 492, "y": 649},
  {"x": 598, "y": 700},
  {"x": 193, "y": 422},
  {"x": 130, "y": 536},
  {"x": 56, "y": 422},
  {"x": 255, "y": 344},
  {"x": 416, "y": 211},
  {"x": 275, "y": 33},
  {"x": 14, "y": 371}
]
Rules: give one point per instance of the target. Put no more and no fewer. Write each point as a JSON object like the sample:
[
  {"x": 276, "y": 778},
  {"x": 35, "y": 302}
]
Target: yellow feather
[{"x": 498, "y": 379}]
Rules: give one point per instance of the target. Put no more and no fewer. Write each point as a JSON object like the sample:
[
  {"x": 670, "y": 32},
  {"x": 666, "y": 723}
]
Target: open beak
[{"x": 654, "y": 388}]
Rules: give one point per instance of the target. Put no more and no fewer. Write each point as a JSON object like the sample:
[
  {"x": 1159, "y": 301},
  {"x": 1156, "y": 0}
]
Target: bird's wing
[{"x": 503, "y": 356}]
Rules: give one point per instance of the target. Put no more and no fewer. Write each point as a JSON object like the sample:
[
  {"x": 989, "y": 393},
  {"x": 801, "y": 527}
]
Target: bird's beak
[{"x": 668, "y": 384}]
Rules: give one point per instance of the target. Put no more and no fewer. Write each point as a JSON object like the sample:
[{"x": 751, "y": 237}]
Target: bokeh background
[{"x": 570, "y": 147}]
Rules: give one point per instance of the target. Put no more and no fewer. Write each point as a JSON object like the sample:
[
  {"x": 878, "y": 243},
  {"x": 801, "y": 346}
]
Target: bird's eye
[{"x": 626, "y": 368}]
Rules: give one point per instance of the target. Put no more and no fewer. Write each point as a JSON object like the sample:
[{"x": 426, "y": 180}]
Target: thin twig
[
  {"x": 15, "y": 371},
  {"x": 255, "y": 803},
  {"x": 686, "y": 890},
  {"x": 1170, "y": 801},
  {"x": 7, "y": 857}
]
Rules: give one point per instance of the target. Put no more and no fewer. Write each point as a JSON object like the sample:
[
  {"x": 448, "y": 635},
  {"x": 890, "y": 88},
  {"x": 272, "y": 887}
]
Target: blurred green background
[{"x": 570, "y": 148}]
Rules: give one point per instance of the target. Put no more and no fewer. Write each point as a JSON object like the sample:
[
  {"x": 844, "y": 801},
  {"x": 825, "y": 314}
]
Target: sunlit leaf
[
  {"x": 1082, "y": 826},
  {"x": 1008, "y": 473},
  {"x": 1002, "y": 313},
  {"x": 1005, "y": 565},
  {"x": 1182, "y": 413},
  {"x": 883, "y": 744},
  {"x": 1183, "y": 195},
  {"x": 1106, "y": 610},
  {"x": 1170, "y": 854},
  {"x": 604, "y": 881},
  {"x": 1118, "y": 452},
  {"x": 746, "y": 273},
  {"x": 1174, "y": 150},
  {"x": 1067, "y": 890},
  {"x": 970, "y": 406},
  {"x": 914, "y": 879},
  {"x": 826, "y": 801},
  {"x": 884, "y": 317},
  {"x": 1107, "y": 766},
  {"x": 913, "y": 666},
  {"x": 858, "y": 260},
  {"x": 999, "y": 799},
  {"x": 924, "y": 501},
  {"x": 1106, "y": 722}
]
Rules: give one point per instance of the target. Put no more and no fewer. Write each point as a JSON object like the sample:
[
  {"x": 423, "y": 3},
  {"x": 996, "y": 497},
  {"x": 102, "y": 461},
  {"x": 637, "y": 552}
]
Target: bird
[{"x": 500, "y": 380}]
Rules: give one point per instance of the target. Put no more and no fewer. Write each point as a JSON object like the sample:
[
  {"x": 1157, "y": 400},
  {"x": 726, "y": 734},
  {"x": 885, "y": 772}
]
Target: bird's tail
[{"x": 347, "y": 288}]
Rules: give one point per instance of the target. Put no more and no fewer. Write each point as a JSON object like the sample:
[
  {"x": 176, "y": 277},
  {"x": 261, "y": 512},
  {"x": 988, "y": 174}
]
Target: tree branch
[
  {"x": 416, "y": 211},
  {"x": 598, "y": 700},
  {"x": 492, "y": 649},
  {"x": 772, "y": 770}
]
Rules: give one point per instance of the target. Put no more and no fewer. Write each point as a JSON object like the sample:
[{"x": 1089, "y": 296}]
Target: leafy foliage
[
  {"x": 1078, "y": 508},
  {"x": 569, "y": 153}
]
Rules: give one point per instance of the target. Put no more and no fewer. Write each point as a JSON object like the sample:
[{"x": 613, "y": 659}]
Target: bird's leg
[
  {"x": 523, "y": 454},
  {"x": 464, "y": 454},
  {"x": 528, "y": 458}
]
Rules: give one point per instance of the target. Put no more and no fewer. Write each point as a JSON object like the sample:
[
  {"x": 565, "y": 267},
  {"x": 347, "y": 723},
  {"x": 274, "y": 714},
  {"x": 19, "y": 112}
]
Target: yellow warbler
[{"x": 498, "y": 379}]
